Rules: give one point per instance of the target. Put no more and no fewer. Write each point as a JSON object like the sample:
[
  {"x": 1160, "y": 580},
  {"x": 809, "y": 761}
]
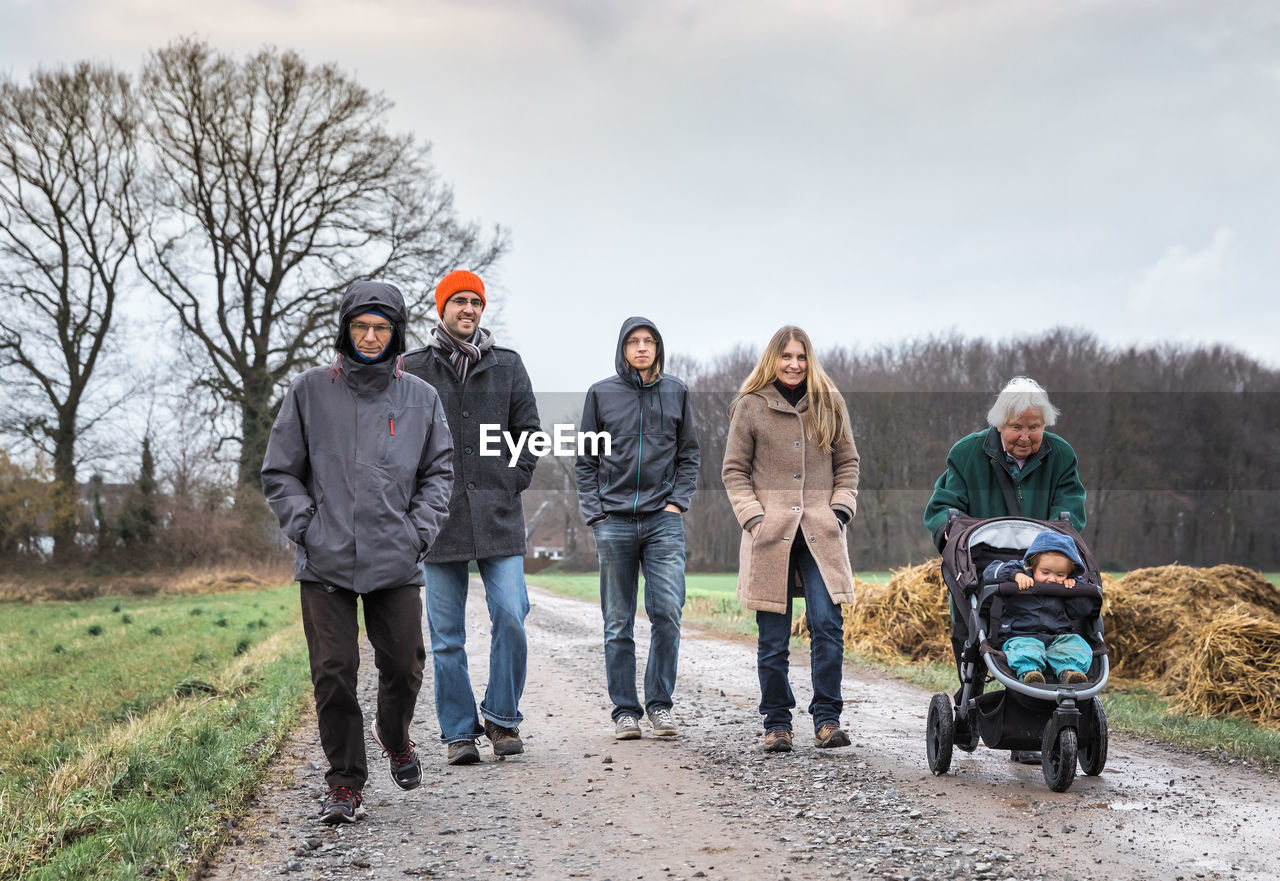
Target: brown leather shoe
[
  {"x": 778, "y": 740},
  {"x": 1072, "y": 677},
  {"x": 506, "y": 741},
  {"x": 463, "y": 752},
  {"x": 830, "y": 735}
]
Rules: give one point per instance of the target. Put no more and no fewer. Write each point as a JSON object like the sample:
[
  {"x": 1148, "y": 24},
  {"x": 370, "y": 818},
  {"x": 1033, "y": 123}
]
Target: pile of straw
[
  {"x": 1155, "y": 616},
  {"x": 1235, "y": 670},
  {"x": 1210, "y": 638},
  {"x": 907, "y": 616}
]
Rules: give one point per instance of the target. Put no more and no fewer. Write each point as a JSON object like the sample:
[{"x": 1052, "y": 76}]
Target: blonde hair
[{"x": 828, "y": 415}]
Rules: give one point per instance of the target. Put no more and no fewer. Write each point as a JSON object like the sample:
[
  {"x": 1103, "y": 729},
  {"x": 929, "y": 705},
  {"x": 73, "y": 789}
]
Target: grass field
[
  {"x": 135, "y": 727},
  {"x": 711, "y": 601}
]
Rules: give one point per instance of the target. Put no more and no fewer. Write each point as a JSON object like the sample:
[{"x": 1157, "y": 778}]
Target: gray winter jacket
[
  {"x": 653, "y": 459},
  {"x": 486, "y": 516},
  {"x": 359, "y": 465}
]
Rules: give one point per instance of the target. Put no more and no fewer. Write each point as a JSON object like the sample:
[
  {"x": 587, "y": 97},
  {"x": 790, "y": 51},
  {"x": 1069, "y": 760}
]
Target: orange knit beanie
[{"x": 458, "y": 280}]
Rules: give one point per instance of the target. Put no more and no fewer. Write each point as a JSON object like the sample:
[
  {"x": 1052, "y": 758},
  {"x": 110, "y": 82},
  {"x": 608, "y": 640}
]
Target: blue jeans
[
  {"x": 826, "y": 652},
  {"x": 625, "y": 545},
  {"x": 508, "y": 600},
  {"x": 1066, "y": 652}
]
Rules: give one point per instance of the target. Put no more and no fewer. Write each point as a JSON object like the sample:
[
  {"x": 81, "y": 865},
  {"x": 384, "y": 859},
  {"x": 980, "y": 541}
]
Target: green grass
[
  {"x": 136, "y": 727},
  {"x": 711, "y": 601}
]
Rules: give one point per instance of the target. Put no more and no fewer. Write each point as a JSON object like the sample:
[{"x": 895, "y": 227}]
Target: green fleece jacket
[{"x": 1048, "y": 484}]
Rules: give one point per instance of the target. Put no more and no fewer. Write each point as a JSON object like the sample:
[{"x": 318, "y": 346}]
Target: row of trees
[
  {"x": 1179, "y": 448},
  {"x": 233, "y": 197}
]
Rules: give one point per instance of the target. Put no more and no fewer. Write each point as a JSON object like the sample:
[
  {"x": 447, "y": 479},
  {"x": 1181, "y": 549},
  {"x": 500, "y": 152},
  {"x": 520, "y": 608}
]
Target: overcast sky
[{"x": 871, "y": 171}]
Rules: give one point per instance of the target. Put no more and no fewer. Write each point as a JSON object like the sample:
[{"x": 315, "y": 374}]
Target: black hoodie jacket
[{"x": 653, "y": 460}]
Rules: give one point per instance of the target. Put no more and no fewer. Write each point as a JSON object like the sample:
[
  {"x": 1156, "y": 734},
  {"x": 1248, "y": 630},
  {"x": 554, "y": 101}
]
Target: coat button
[
  {"x": 471, "y": 486},
  {"x": 465, "y": 414},
  {"x": 798, "y": 476},
  {"x": 795, "y": 507},
  {"x": 797, "y": 443},
  {"x": 467, "y": 450},
  {"x": 813, "y": 539}
]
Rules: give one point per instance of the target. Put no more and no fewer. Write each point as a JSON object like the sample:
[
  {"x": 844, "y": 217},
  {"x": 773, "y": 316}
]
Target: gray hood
[
  {"x": 625, "y": 370},
  {"x": 372, "y": 296}
]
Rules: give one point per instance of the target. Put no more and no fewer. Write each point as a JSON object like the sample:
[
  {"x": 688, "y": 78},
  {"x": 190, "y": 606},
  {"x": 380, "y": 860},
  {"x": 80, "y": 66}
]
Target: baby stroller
[{"x": 1065, "y": 722}]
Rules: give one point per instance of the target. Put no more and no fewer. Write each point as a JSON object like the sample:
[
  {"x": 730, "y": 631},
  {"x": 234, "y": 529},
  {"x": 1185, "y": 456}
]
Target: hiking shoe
[
  {"x": 778, "y": 740},
  {"x": 1073, "y": 677},
  {"x": 463, "y": 752},
  {"x": 1033, "y": 677},
  {"x": 341, "y": 805},
  {"x": 830, "y": 735},
  {"x": 506, "y": 741},
  {"x": 664, "y": 725},
  {"x": 627, "y": 728},
  {"x": 406, "y": 770}
]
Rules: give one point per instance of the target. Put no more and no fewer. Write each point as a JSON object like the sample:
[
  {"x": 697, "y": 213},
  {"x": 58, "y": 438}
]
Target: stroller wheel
[
  {"x": 940, "y": 733},
  {"x": 1059, "y": 764},
  {"x": 1093, "y": 752}
]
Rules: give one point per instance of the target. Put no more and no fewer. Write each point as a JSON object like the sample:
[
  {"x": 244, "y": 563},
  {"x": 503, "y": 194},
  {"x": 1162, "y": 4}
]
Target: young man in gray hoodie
[
  {"x": 358, "y": 470},
  {"x": 634, "y": 500}
]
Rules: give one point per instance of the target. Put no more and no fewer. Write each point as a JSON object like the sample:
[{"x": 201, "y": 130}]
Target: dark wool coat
[
  {"x": 1048, "y": 484},
  {"x": 359, "y": 464},
  {"x": 486, "y": 516},
  {"x": 772, "y": 468}
]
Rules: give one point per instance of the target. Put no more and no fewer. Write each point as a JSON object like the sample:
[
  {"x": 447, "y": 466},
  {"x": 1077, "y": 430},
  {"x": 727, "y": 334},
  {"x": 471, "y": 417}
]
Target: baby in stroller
[{"x": 1036, "y": 632}]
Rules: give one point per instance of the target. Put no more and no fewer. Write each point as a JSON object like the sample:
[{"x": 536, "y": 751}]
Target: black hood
[
  {"x": 372, "y": 296},
  {"x": 625, "y": 370}
]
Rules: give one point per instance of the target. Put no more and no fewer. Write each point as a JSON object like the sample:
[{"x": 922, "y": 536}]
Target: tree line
[{"x": 1179, "y": 447}]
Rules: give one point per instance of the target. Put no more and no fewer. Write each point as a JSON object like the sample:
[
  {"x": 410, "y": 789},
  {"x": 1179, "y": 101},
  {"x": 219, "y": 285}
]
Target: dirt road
[{"x": 710, "y": 804}]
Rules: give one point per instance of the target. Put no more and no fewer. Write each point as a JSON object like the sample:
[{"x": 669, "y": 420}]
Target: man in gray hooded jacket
[
  {"x": 634, "y": 499},
  {"x": 358, "y": 470}
]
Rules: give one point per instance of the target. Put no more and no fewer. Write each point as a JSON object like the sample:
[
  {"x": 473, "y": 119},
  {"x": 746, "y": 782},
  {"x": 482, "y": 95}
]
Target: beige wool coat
[{"x": 772, "y": 469}]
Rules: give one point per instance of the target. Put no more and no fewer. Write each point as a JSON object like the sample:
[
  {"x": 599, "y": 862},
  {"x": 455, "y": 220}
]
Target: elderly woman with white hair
[{"x": 1014, "y": 467}]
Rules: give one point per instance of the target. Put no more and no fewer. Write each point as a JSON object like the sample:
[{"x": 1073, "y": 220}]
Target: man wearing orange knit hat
[{"x": 480, "y": 384}]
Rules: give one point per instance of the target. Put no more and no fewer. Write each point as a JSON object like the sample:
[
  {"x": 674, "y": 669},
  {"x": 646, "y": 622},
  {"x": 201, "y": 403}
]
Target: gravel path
[{"x": 710, "y": 804}]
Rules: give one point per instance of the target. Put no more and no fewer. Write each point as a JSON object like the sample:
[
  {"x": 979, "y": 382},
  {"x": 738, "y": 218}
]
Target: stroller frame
[{"x": 1015, "y": 717}]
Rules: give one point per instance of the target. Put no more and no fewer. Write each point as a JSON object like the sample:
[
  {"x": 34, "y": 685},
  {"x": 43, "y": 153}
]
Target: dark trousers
[{"x": 393, "y": 621}]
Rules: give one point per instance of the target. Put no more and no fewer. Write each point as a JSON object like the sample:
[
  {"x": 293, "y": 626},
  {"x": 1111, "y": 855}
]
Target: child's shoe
[
  {"x": 1033, "y": 677},
  {"x": 1072, "y": 677}
]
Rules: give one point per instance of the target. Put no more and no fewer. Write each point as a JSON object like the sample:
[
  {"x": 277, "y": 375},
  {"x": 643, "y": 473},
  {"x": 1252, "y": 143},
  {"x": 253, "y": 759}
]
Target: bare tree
[
  {"x": 68, "y": 223},
  {"x": 278, "y": 185}
]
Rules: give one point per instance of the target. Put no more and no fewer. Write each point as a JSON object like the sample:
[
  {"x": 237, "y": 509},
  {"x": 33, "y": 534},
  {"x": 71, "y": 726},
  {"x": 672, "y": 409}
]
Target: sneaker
[
  {"x": 627, "y": 728},
  {"x": 778, "y": 740},
  {"x": 463, "y": 752},
  {"x": 506, "y": 741},
  {"x": 341, "y": 805},
  {"x": 1033, "y": 677},
  {"x": 830, "y": 735},
  {"x": 663, "y": 723},
  {"x": 406, "y": 770},
  {"x": 1073, "y": 677}
]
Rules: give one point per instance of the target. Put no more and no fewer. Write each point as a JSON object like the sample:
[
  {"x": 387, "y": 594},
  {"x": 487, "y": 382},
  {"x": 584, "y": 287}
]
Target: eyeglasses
[
  {"x": 463, "y": 302},
  {"x": 360, "y": 328}
]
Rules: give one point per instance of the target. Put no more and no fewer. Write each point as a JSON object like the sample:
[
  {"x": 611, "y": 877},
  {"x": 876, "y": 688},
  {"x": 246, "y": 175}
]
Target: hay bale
[
  {"x": 1154, "y": 616},
  {"x": 1235, "y": 670},
  {"x": 906, "y": 616}
]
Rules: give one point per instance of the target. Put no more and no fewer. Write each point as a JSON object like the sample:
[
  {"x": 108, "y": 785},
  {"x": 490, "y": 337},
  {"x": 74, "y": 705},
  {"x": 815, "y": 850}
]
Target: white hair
[{"x": 1022, "y": 393}]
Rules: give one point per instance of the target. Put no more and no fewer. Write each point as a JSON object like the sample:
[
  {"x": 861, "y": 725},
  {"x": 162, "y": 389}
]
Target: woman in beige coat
[{"x": 791, "y": 471}]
